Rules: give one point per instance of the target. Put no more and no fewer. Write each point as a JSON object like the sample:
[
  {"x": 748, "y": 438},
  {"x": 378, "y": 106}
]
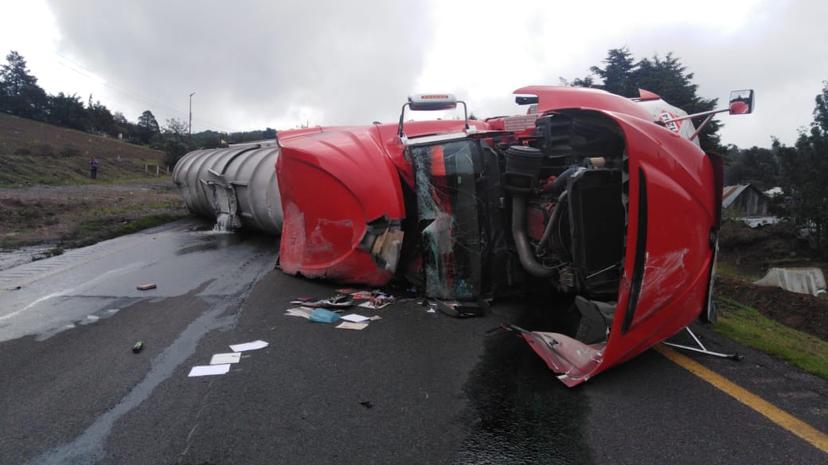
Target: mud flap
[{"x": 571, "y": 359}]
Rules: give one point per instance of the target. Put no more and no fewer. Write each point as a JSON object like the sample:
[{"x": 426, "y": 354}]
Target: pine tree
[{"x": 19, "y": 93}]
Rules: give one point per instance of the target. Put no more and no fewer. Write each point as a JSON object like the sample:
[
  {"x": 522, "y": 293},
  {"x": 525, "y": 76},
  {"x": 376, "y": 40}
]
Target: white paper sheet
[
  {"x": 209, "y": 370},
  {"x": 255, "y": 345},
  {"x": 303, "y": 312},
  {"x": 375, "y": 318},
  {"x": 355, "y": 318},
  {"x": 349, "y": 325},
  {"x": 220, "y": 359}
]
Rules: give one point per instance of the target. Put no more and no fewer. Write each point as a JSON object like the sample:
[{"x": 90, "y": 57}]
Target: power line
[{"x": 83, "y": 71}]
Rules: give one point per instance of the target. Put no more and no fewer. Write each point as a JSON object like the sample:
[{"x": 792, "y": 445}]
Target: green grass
[
  {"x": 747, "y": 326},
  {"x": 731, "y": 270},
  {"x": 56, "y": 170},
  {"x": 96, "y": 230}
]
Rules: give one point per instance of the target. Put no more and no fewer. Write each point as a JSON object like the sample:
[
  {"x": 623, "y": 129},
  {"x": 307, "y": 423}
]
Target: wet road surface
[{"x": 414, "y": 387}]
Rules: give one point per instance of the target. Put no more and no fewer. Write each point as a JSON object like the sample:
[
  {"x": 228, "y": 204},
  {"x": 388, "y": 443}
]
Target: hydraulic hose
[{"x": 547, "y": 232}]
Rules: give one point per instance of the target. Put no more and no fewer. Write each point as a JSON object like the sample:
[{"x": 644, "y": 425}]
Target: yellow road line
[{"x": 782, "y": 418}]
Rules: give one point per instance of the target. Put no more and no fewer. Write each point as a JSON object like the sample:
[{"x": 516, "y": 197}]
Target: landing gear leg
[{"x": 701, "y": 349}]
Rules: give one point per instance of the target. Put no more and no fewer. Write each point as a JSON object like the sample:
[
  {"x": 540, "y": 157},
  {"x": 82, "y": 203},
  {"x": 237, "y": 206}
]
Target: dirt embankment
[
  {"x": 73, "y": 216},
  {"x": 804, "y": 312},
  {"x": 746, "y": 254}
]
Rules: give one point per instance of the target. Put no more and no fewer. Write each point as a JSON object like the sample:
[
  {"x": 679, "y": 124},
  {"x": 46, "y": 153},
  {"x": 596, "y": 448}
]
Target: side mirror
[
  {"x": 432, "y": 102},
  {"x": 741, "y": 102}
]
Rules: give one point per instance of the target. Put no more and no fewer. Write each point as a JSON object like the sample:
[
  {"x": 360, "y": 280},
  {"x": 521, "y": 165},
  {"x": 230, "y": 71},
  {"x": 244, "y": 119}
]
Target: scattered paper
[
  {"x": 209, "y": 370},
  {"x": 221, "y": 359},
  {"x": 255, "y": 345},
  {"x": 375, "y": 318},
  {"x": 349, "y": 325},
  {"x": 303, "y": 312},
  {"x": 431, "y": 310},
  {"x": 355, "y": 318}
]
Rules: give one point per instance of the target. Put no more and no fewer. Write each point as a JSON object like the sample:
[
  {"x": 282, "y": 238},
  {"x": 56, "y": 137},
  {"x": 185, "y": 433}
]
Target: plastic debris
[
  {"x": 355, "y": 318},
  {"x": 138, "y": 347},
  {"x": 209, "y": 370},
  {"x": 321, "y": 315},
  {"x": 255, "y": 345},
  {"x": 221, "y": 359},
  {"x": 378, "y": 301},
  {"x": 458, "y": 309},
  {"x": 146, "y": 286},
  {"x": 362, "y": 295},
  {"x": 351, "y": 325},
  {"x": 337, "y": 301}
]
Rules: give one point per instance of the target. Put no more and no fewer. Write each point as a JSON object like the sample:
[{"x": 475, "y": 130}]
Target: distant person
[{"x": 93, "y": 168}]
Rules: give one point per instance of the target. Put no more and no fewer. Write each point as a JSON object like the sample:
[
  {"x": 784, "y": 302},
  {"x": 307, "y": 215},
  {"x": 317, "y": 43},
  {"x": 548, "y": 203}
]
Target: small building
[{"x": 744, "y": 201}]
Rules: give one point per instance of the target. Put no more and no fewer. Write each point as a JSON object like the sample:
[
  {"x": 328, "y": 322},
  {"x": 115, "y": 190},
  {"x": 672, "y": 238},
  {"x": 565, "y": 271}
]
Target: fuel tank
[{"x": 236, "y": 186}]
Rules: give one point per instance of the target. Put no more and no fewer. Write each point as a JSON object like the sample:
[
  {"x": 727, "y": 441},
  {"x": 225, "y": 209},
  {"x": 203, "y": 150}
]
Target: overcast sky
[{"x": 260, "y": 63}]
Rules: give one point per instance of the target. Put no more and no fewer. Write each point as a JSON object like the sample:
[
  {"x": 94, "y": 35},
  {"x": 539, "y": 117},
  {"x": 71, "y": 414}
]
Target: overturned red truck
[{"x": 609, "y": 199}]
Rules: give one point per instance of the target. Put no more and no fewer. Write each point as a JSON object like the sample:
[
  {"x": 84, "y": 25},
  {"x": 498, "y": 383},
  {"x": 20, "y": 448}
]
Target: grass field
[
  {"x": 47, "y": 197},
  {"x": 34, "y": 153},
  {"x": 748, "y": 326}
]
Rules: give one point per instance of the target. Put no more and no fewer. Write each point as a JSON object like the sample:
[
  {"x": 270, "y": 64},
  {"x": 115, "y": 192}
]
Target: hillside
[{"x": 32, "y": 152}]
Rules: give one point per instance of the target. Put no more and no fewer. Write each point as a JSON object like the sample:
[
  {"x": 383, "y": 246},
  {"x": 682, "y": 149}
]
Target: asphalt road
[{"x": 414, "y": 387}]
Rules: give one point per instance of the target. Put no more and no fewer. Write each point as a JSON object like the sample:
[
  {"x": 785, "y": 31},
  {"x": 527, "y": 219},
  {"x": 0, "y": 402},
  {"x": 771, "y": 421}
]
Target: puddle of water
[{"x": 22, "y": 255}]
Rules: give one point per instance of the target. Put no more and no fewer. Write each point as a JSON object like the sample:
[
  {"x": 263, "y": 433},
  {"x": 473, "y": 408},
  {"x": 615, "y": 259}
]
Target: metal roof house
[{"x": 744, "y": 201}]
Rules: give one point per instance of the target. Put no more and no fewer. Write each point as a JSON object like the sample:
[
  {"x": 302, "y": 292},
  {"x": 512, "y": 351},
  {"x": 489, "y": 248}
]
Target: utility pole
[{"x": 190, "y": 124}]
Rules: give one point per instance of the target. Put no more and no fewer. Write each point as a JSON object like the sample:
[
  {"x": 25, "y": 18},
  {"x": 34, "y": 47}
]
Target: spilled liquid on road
[{"x": 520, "y": 412}]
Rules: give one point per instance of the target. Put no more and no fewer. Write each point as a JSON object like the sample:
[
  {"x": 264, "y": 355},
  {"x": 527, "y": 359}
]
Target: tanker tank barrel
[{"x": 235, "y": 186}]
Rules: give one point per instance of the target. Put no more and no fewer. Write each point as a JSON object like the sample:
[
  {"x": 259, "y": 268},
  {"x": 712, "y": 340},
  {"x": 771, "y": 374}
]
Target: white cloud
[{"x": 261, "y": 63}]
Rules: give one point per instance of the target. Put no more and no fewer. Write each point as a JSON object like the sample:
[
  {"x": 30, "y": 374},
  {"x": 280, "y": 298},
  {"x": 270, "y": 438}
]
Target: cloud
[
  {"x": 774, "y": 47},
  {"x": 260, "y": 63},
  {"x": 253, "y": 63}
]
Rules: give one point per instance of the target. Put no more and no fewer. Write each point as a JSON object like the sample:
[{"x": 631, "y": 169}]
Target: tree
[
  {"x": 176, "y": 127},
  {"x": 147, "y": 127},
  {"x": 667, "y": 77},
  {"x": 19, "y": 93},
  {"x": 67, "y": 111},
  {"x": 176, "y": 140},
  {"x": 808, "y": 192},
  {"x": 618, "y": 73},
  {"x": 821, "y": 110},
  {"x": 100, "y": 118},
  {"x": 756, "y": 165}
]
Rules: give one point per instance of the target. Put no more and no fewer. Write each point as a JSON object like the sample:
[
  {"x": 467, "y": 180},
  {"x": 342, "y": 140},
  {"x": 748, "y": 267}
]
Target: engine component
[{"x": 523, "y": 166}]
